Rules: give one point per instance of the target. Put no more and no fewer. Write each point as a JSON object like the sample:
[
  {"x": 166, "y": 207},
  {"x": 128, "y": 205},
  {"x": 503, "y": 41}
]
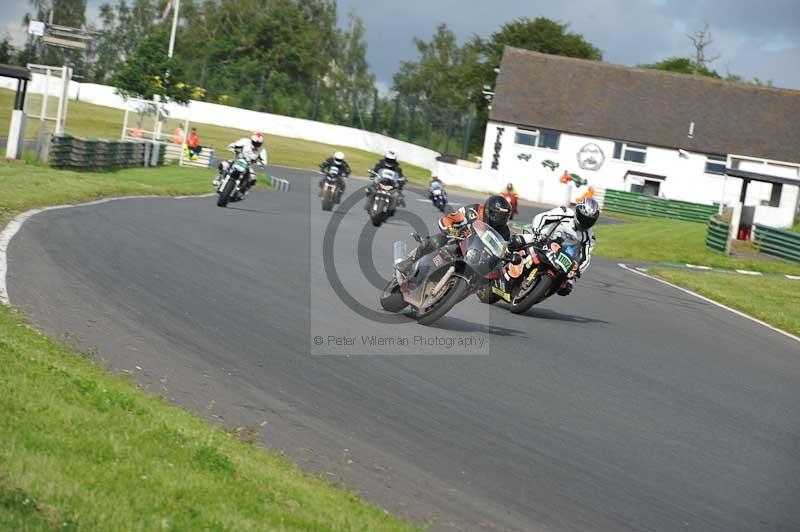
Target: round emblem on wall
[{"x": 591, "y": 157}]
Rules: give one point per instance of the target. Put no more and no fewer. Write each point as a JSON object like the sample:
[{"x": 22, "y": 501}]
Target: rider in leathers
[
  {"x": 575, "y": 224},
  {"x": 253, "y": 152},
  {"x": 344, "y": 172},
  {"x": 494, "y": 212},
  {"x": 389, "y": 162}
]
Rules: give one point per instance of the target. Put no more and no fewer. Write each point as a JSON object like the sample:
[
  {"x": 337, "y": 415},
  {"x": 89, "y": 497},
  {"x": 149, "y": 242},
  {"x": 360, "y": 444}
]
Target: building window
[
  {"x": 543, "y": 138},
  {"x": 716, "y": 164},
  {"x": 549, "y": 139},
  {"x": 526, "y": 138},
  {"x": 635, "y": 153}
]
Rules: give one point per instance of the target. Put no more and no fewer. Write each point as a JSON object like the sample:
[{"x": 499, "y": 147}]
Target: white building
[{"x": 668, "y": 135}]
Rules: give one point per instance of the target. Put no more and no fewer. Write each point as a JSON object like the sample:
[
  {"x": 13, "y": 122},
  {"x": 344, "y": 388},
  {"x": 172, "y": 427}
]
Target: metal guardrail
[
  {"x": 717, "y": 236},
  {"x": 93, "y": 155},
  {"x": 638, "y": 204},
  {"x": 777, "y": 242}
]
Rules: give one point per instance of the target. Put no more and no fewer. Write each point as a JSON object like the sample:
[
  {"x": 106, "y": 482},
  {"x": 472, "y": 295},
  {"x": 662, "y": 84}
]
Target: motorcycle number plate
[{"x": 564, "y": 261}]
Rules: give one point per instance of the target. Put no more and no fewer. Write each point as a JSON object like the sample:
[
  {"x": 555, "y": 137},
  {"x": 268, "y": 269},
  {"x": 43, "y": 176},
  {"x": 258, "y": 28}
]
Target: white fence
[
  {"x": 547, "y": 190},
  {"x": 223, "y": 115}
]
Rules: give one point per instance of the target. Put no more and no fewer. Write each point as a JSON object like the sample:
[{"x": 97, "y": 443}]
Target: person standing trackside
[
  {"x": 193, "y": 144},
  {"x": 178, "y": 136}
]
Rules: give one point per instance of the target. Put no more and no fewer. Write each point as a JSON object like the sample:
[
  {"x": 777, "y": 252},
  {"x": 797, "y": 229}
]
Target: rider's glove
[
  {"x": 455, "y": 230},
  {"x": 517, "y": 242}
]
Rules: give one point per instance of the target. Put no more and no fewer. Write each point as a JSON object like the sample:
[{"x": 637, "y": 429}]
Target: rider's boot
[{"x": 567, "y": 287}]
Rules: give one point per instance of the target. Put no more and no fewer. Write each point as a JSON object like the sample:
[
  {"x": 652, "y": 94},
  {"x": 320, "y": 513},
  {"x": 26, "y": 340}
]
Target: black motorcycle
[
  {"x": 330, "y": 188},
  {"x": 385, "y": 196},
  {"x": 232, "y": 181},
  {"x": 442, "y": 278},
  {"x": 546, "y": 264}
]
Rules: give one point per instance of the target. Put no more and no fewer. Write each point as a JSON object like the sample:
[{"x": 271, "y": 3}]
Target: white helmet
[
  {"x": 257, "y": 139},
  {"x": 391, "y": 156},
  {"x": 338, "y": 157}
]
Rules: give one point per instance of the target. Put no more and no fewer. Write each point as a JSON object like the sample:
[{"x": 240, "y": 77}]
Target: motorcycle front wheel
[
  {"x": 536, "y": 294},
  {"x": 225, "y": 196},
  {"x": 455, "y": 289},
  {"x": 327, "y": 200}
]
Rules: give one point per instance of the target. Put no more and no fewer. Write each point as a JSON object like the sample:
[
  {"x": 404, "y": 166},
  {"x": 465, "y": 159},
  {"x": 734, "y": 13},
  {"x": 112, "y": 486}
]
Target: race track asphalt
[{"x": 627, "y": 406}]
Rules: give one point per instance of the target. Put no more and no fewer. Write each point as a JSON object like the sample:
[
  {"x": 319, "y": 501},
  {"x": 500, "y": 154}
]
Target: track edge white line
[
  {"x": 715, "y": 303},
  {"x": 15, "y": 224}
]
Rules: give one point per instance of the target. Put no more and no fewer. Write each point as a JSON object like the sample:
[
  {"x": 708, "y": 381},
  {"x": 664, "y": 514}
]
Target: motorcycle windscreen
[{"x": 485, "y": 248}]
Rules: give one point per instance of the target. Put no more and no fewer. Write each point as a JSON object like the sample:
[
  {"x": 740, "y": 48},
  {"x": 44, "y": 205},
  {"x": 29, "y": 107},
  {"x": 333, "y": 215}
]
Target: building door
[{"x": 648, "y": 187}]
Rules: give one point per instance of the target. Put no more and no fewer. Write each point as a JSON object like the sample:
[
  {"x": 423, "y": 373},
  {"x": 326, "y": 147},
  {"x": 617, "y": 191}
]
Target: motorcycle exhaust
[{"x": 443, "y": 280}]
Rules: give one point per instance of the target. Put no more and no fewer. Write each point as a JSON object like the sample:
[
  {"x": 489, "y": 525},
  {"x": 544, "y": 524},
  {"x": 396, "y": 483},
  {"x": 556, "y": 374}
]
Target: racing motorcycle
[
  {"x": 382, "y": 203},
  {"x": 442, "y": 278},
  {"x": 546, "y": 264},
  {"x": 438, "y": 195},
  {"x": 230, "y": 187},
  {"x": 330, "y": 188}
]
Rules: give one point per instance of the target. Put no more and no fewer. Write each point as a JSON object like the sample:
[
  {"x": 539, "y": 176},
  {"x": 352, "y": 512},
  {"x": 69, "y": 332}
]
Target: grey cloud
[{"x": 628, "y": 31}]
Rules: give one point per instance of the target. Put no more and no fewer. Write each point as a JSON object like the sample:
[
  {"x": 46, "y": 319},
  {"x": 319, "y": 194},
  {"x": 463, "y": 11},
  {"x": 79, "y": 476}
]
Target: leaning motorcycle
[
  {"x": 442, "y": 278},
  {"x": 438, "y": 196},
  {"x": 383, "y": 201},
  {"x": 230, "y": 187},
  {"x": 330, "y": 188},
  {"x": 545, "y": 266}
]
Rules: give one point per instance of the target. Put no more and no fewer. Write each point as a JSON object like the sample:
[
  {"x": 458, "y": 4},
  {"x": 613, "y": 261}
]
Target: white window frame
[
  {"x": 626, "y": 147},
  {"x": 715, "y": 159},
  {"x": 534, "y": 133},
  {"x": 537, "y": 135}
]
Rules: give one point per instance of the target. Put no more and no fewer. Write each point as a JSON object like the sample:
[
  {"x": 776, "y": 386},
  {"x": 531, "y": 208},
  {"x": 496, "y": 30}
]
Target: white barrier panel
[
  {"x": 223, "y": 115},
  {"x": 546, "y": 190}
]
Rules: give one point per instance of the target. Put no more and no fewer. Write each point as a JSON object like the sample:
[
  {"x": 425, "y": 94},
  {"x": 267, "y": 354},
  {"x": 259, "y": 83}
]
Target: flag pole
[{"x": 176, "y": 7}]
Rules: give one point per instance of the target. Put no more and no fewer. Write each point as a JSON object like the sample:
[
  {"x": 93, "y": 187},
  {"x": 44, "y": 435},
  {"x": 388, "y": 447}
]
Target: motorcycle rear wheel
[
  {"x": 537, "y": 293},
  {"x": 486, "y": 295},
  {"x": 391, "y": 298}
]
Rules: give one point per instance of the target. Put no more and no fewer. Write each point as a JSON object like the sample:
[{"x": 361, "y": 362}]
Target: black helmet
[
  {"x": 586, "y": 213},
  {"x": 496, "y": 211}
]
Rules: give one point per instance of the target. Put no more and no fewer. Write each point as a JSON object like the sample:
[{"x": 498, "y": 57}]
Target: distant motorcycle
[
  {"x": 438, "y": 195},
  {"x": 544, "y": 267},
  {"x": 230, "y": 187},
  {"x": 330, "y": 188},
  {"x": 385, "y": 196}
]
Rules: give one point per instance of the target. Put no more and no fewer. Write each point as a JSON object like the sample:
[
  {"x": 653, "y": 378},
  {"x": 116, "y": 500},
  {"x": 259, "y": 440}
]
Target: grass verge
[
  {"x": 774, "y": 300},
  {"x": 82, "y": 449},
  {"x": 26, "y": 186},
  {"x": 672, "y": 241},
  {"x": 86, "y": 450},
  {"x": 87, "y": 120}
]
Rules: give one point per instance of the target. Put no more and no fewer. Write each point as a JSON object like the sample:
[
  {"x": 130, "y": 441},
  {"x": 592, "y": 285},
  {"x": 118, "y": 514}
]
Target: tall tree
[
  {"x": 353, "y": 81},
  {"x": 7, "y": 51},
  {"x": 701, "y": 40},
  {"x": 540, "y": 35}
]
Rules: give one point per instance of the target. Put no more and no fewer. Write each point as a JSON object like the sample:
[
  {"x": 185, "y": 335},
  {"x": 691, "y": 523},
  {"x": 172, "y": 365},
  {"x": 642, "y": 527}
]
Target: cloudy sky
[{"x": 754, "y": 38}]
